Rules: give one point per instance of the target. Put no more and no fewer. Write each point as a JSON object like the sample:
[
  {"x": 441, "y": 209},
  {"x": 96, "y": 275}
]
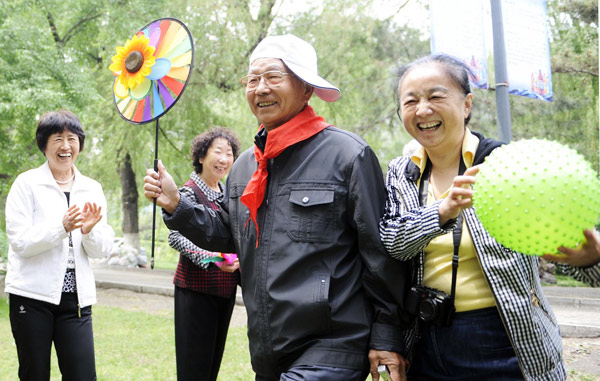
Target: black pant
[
  {"x": 36, "y": 324},
  {"x": 201, "y": 323}
]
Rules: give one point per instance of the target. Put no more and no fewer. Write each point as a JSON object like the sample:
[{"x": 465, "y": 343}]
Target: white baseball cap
[{"x": 300, "y": 57}]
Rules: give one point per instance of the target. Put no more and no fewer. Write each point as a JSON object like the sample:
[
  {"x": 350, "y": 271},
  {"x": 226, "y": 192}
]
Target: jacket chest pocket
[{"x": 312, "y": 214}]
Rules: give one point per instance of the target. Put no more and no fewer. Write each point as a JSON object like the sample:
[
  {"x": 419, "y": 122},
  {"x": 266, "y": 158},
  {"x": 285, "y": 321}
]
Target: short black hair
[
  {"x": 53, "y": 122},
  {"x": 457, "y": 70},
  {"x": 203, "y": 141}
]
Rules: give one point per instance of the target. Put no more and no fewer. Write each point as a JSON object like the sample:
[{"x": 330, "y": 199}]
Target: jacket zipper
[{"x": 264, "y": 312}]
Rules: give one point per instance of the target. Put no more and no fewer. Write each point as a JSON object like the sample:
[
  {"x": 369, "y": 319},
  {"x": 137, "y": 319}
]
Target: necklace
[{"x": 65, "y": 182}]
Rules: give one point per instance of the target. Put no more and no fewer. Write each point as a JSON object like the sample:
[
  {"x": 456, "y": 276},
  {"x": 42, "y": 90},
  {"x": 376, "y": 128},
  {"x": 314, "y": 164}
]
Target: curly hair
[
  {"x": 53, "y": 122},
  {"x": 203, "y": 141}
]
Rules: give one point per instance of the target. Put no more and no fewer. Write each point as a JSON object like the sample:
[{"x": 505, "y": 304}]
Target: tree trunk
[
  {"x": 131, "y": 238},
  {"x": 129, "y": 197}
]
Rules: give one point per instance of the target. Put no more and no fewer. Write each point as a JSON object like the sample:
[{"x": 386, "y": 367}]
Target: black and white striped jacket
[{"x": 407, "y": 227}]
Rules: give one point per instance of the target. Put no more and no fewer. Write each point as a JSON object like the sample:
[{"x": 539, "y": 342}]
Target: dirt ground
[
  {"x": 581, "y": 355},
  {"x": 582, "y": 358}
]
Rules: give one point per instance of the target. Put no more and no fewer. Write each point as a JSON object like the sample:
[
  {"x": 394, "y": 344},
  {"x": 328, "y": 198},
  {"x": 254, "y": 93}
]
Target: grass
[
  {"x": 165, "y": 257},
  {"x": 140, "y": 346},
  {"x": 567, "y": 281},
  {"x": 578, "y": 376},
  {"x": 132, "y": 346}
]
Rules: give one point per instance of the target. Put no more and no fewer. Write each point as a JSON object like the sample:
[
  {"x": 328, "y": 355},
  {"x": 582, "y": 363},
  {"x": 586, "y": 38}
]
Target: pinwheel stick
[
  {"x": 152, "y": 69},
  {"x": 154, "y": 200}
]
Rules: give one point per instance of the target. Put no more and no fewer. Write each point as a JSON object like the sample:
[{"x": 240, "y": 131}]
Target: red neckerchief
[{"x": 301, "y": 127}]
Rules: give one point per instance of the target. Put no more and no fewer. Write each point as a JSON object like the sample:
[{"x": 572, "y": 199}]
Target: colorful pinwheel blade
[{"x": 157, "y": 92}]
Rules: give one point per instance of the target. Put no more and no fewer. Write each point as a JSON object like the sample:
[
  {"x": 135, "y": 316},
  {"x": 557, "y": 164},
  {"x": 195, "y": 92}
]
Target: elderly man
[{"x": 301, "y": 210}]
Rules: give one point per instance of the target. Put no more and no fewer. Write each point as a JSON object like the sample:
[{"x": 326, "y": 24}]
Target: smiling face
[
  {"x": 61, "y": 151},
  {"x": 217, "y": 162},
  {"x": 275, "y": 106},
  {"x": 433, "y": 107}
]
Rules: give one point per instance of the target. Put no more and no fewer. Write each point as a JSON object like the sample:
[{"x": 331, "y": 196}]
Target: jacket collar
[
  {"x": 211, "y": 194},
  {"x": 47, "y": 179},
  {"x": 412, "y": 172}
]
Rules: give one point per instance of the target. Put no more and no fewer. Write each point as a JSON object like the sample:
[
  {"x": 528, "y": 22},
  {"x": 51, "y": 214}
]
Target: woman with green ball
[{"x": 479, "y": 308}]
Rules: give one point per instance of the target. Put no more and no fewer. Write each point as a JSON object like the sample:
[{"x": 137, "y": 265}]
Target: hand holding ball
[{"x": 535, "y": 195}]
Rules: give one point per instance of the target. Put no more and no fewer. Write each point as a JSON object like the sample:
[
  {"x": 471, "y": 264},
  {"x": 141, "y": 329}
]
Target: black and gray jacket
[{"x": 319, "y": 289}]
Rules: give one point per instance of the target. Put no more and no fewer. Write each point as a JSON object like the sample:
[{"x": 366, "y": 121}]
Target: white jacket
[{"x": 39, "y": 244}]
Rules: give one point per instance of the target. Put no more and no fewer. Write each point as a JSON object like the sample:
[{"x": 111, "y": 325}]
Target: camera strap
[{"x": 457, "y": 232}]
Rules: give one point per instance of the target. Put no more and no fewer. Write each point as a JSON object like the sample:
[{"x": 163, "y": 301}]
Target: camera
[{"x": 430, "y": 305}]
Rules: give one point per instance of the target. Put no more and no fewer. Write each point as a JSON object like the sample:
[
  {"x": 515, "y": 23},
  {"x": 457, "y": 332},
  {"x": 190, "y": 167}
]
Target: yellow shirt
[{"x": 472, "y": 289}]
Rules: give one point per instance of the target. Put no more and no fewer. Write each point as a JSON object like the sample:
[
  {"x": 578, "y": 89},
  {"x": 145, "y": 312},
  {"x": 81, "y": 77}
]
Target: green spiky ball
[{"x": 535, "y": 195}]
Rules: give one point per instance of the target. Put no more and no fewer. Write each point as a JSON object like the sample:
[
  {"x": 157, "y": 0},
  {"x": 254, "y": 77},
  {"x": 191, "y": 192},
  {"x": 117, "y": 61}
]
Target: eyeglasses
[{"x": 272, "y": 78}]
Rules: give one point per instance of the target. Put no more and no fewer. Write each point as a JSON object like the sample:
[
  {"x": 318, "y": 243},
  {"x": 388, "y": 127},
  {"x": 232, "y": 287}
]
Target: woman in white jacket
[{"x": 55, "y": 221}]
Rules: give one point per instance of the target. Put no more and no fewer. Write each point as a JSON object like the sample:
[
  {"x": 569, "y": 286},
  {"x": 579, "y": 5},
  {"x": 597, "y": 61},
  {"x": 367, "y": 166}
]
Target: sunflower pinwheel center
[{"x": 134, "y": 61}]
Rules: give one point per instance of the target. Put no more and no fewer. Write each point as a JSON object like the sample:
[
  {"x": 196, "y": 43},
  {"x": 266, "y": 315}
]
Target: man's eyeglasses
[{"x": 273, "y": 78}]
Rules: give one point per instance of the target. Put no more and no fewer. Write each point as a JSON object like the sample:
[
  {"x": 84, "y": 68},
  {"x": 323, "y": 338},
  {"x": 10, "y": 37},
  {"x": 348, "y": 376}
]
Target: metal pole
[{"x": 502, "y": 104}]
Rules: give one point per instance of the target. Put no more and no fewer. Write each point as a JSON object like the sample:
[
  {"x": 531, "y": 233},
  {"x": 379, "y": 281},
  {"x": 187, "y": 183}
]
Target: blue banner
[
  {"x": 457, "y": 29},
  {"x": 527, "y": 48}
]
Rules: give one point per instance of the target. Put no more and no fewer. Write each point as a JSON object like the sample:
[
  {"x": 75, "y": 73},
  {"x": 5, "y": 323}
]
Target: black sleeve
[
  {"x": 385, "y": 279},
  {"x": 203, "y": 226}
]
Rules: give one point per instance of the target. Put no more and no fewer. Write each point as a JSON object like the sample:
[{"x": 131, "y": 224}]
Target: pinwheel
[{"x": 151, "y": 71}]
